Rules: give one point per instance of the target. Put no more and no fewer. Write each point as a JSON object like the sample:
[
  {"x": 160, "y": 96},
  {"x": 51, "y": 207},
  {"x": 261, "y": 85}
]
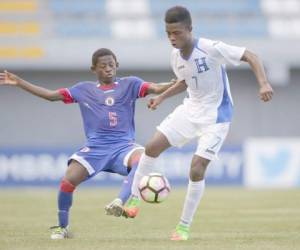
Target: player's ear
[
  {"x": 117, "y": 64},
  {"x": 93, "y": 68}
]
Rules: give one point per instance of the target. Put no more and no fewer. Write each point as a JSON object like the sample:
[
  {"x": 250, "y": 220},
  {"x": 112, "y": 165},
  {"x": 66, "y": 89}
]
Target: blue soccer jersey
[{"x": 107, "y": 111}]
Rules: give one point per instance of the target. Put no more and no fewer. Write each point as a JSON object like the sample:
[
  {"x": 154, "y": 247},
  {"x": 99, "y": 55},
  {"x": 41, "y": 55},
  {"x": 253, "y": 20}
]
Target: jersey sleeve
[
  {"x": 139, "y": 87},
  {"x": 231, "y": 54},
  {"x": 72, "y": 94},
  {"x": 67, "y": 95},
  {"x": 222, "y": 52}
]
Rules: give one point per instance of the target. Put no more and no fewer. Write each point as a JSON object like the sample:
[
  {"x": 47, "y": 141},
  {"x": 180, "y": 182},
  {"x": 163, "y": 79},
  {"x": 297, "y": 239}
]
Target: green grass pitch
[{"x": 228, "y": 218}]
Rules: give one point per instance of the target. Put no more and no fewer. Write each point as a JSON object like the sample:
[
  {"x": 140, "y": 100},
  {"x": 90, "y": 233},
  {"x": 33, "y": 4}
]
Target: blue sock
[
  {"x": 127, "y": 183},
  {"x": 65, "y": 198},
  {"x": 64, "y": 204}
]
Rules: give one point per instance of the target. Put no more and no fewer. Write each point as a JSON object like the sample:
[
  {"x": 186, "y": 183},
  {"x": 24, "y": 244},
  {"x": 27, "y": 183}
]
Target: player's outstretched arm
[
  {"x": 177, "y": 88},
  {"x": 7, "y": 78},
  {"x": 265, "y": 89},
  {"x": 158, "y": 88}
]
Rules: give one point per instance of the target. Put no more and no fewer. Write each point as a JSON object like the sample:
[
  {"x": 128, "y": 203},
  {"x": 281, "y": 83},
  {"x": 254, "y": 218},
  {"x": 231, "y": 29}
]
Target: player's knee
[
  {"x": 66, "y": 186},
  {"x": 76, "y": 173},
  {"x": 157, "y": 145},
  {"x": 152, "y": 151},
  {"x": 198, "y": 169},
  {"x": 196, "y": 175}
]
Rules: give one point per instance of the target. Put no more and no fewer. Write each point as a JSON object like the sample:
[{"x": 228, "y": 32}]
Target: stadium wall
[{"x": 27, "y": 121}]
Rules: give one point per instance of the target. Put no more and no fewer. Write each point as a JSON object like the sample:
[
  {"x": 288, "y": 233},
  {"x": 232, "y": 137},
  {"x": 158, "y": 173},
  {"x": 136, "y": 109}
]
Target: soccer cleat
[
  {"x": 59, "y": 233},
  {"x": 132, "y": 208},
  {"x": 181, "y": 233},
  {"x": 114, "y": 208}
]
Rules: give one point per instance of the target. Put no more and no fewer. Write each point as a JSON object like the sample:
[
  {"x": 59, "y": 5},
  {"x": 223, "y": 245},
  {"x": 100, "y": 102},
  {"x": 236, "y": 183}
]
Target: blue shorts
[{"x": 108, "y": 159}]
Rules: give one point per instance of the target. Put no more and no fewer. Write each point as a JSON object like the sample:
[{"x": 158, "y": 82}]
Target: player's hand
[
  {"x": 7, "y": 78},
  {"x": 154, "y": 102},
  {"x": 266, "y": 92}
]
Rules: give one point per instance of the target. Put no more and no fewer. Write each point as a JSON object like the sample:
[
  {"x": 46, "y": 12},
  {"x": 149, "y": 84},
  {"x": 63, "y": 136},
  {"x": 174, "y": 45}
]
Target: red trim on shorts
[
  {"x": 143, "y": 89},
  {"x": 67, "y": 95},
  {"x": 66, "y": 186}
]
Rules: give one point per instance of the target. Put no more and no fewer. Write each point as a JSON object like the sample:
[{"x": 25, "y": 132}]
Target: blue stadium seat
[
  {"x": 213, "y": 18},
  {"x": 248, "y": 27},
  {"x": 81, "y": 28},
  {"x": 75, "y": 7},
  {"x": 211, "y": 7},
  {"x": 224, "y": 27},
  {"x": 217, "y": 18}
]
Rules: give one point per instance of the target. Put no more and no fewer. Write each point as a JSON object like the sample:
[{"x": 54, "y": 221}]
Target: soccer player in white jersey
[{"x": 205, "y": 114}]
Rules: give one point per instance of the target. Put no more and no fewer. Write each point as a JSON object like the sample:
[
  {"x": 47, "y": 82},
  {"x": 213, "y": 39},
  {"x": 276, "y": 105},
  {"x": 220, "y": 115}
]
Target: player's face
[
  {"x": 105, "y": 69},
  {"x": 179, "y": 34}
]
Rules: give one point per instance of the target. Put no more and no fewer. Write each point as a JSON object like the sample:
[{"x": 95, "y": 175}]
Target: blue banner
[{"x": 37, "y": 167}]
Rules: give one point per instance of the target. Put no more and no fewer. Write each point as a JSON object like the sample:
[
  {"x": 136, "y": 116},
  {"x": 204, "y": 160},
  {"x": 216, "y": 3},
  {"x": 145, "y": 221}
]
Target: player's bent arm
[
  {"x": 256, "y": 65},
  {"x": 158, "y": 88},
  {"x": 177, "y": 88},
  {"x": 266, "y": 91}
]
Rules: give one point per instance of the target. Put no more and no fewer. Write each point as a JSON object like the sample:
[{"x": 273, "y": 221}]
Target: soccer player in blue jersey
[{"x": 107, "y": 108}]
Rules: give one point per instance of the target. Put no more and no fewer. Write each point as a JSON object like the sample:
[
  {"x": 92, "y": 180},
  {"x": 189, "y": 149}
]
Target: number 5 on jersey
[{"x": 113, "y": 119}]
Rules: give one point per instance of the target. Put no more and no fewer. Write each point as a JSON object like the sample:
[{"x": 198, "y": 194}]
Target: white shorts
[{"x": 179, "y": 130}]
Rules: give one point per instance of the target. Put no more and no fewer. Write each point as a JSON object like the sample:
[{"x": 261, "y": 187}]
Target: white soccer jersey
[{"x": 209, "y": 100}]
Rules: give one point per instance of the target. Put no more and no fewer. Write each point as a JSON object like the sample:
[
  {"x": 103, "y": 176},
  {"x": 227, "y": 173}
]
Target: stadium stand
[
  {"x": 19, "y": 22},
  {"x": 77, "y": 7},
  {"x": 19, "y": 28},
  {"x": 10, "y": 52},
  {"x": 280, "y": 15},
  {"x": 220, "y": 18},
  {"x": 36, "y": 22},
  {"x": 100, "y": 18},
  {"x": 79, "y": 19},
  {"x": 18, "y": 6}
]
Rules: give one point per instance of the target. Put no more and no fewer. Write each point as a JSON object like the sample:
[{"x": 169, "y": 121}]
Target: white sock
[
  {"x": 192, "y": 199},
  {"x": 146, "y": 164}
]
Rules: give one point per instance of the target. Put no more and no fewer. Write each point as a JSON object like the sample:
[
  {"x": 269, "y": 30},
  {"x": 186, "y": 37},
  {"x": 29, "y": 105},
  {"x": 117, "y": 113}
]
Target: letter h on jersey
[{"x": 201, "y": 66}]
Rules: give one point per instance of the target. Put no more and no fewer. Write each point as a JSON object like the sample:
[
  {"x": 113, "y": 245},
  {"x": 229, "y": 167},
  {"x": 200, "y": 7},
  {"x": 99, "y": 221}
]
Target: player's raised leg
[
  {"x": 116, "y": 206},
  {"x": 153, "y": 149},
  {"x": 76, "y": 173}
]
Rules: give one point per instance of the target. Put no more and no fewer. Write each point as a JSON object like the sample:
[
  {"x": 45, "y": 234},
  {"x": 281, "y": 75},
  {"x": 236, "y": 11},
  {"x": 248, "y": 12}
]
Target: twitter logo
[{"x": 273, "y": 166}]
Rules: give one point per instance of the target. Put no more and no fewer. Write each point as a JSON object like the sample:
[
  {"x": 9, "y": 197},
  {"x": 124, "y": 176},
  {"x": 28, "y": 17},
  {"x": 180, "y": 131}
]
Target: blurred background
[{"x": 50, "y": 43}]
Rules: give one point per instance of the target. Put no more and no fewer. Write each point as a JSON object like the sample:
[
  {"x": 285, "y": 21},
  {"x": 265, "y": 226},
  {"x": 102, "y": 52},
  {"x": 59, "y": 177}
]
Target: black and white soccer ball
[{"x": 154, "y": 188}]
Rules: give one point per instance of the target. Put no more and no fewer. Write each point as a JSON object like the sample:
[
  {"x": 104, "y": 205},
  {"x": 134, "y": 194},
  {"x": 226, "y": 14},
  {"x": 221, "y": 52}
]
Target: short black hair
[
  {"x": 178, "y": 14},
  {"x": 102, "y": 52}
]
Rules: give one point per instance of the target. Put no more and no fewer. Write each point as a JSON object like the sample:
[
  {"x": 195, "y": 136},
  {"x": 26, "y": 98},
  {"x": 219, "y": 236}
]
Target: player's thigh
[
  {"x": 211, "y": 140},
  {"x": 134, "y": 157},
  {"x": 123, "y": 158},
  {"x": 177, "y": 127},
  {"x": 157, "y": 144},
  {"x": 130, "y": 156},
  {"x": 76, "y": 173}
]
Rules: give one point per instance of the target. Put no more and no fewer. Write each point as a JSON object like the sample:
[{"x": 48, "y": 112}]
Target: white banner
[{"x": 272, "y": 162}]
